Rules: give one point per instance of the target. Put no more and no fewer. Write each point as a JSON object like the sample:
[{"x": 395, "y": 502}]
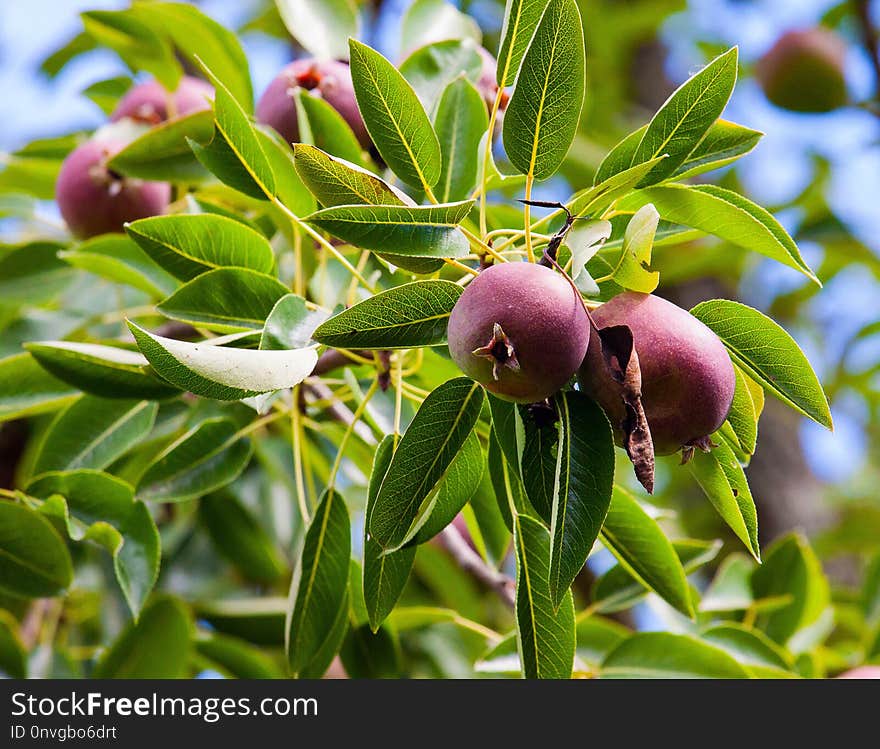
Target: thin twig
[{"x": 473, "y": 563}]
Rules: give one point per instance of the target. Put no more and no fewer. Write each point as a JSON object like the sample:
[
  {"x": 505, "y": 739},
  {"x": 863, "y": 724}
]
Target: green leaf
[
  {"x": 238, "y": 537},
  {"x": 427, "y": 21},
  {"x": 70, "y": 50},
  {"x": 453, "y": 492},
  {"x": 30, "y": 176},
  {"x": 119, "y": 259},
  {"x": 431, "y": 442},
  {"x": 596, "y": 637},
  {"x": 236, "y": 657},
  {"x": 395, "y": 118},
  {"x": 485, "y": 521},
  {"x": 632, "y": 270},
  {"x": 430, "y": 69},
  {"x": 542, "y": 116},
  {"x": 744, "y": 412},
  {"x": 506, "y": 483},
  {"x": 289, "y": 188},
  {"x": 93, "y": 432},
  {"x": 13, "y": 656},
  {"x": 156, "y": 647},
  {"x": 257, "y": 620},
  {"x": 112, "y": 519},
  {"x": 618, "y": 590},
  {"x": 320, "y": 581},
  {"x": 407, "y": 316},
  {"x": 32, "y": 274},
  {"x": 334, "y": 181},
  {"x": 724, "y": 214},
  {"x": 643, "y": 550},
  {"x": 337, "y": 182},
  {"x": 545, "y": 633},
  {"x": 26, "y": 388},
  {"x": 620, "y": 158},
  {"x": 413, "y": 231},
  {"x": 239, "y": 138},
  {"x": 323, "y": 27},
  {"x": 136, "y": 42},
  {"x": 219, "y": 158},
  {"x": 501, "y": 659},
  {"x": 663, "y": 655},
  {"x": 162, "y": 153},
  {"x": 723, "y": 144},
  {"x": 322, "y": 659},
  {"x": 188, "y": 245},
  {"x": 226, "y": 300},
  {"x": 768, "y": 354},
  {"x": 722, "y": 480},
  {"x": 731, "y": 588},
  {"x": 329, "y": 130},
  {"x": 203, "y": 459},
  {"x": 224, "y": 373},
  {"x": 34, "y": 561},
  {"x": 385, "y": 574},
  {"x": 762, "y": 657},
  {"x": 521, "y": 18},
  {"x": 107, "y": 93},
  {"x": 680, "y": 124},
  {"x": 105, "y": 371},
  {"x": 460, "y": 123},
  {"x": 585, "y": 477},
  {"x": 791, "y": 568},
  {"x": 369, "y": 655},
  {"x": 201, "y": 38},
  {"x": 290, "y": 325}
]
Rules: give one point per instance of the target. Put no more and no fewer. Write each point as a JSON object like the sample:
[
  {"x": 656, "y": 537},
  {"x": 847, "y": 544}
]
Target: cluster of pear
[{"x": 523, "y": 332}]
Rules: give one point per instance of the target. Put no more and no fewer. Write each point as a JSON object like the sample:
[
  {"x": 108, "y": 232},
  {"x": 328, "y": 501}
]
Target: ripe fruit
[
  {"x": 329, "y": 79},
  {"x": 687, "y": 377},
  {"x": 520, "y": 330},
  {"x": 804, "y": 71},
  {"x": 148, "y": 102},
  {"x": 94, "y": 200}
]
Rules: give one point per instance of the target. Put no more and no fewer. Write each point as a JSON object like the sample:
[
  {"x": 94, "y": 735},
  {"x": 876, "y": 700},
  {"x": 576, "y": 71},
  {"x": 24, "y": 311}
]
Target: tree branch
[{"x": 473, "y": 563}]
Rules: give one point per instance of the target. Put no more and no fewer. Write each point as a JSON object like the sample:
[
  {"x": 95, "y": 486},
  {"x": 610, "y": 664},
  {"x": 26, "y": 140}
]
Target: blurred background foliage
[{"x": 819, "y": 173}]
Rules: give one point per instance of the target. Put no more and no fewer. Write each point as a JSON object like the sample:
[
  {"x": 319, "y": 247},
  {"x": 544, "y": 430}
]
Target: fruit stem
[
  {"x": 487, "y": 153},
  {"x": 530, "y": 180},
  {"x": 460, "y": 266},
  {"x": 482, "y": 247}
]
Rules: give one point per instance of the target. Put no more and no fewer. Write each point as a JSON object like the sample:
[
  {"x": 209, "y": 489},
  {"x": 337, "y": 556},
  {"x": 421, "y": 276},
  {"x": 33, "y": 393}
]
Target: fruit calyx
[{"x": 500, "y": 351}]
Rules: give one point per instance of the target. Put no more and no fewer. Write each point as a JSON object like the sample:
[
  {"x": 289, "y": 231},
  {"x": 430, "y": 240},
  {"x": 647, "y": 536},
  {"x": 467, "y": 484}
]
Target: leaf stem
[
  {"x": 299, "y": 281},
  {"x": 429, "y": 193},
  {"x": 460, "y": 266},
  {"x": 482, "y": 247},
  {"x": 527, "y": 213},
  {"x": 487, "y": 153}
]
